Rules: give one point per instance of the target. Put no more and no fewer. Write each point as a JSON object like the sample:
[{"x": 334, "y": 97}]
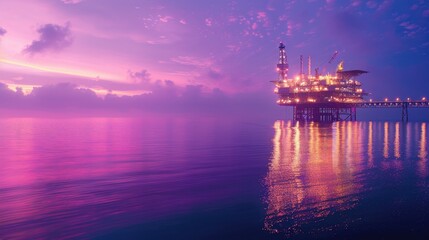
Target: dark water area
[{"x": 204, "y": 178}]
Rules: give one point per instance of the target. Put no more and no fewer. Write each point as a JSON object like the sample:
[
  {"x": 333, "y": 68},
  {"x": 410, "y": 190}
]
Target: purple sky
[{"x": 199, "y": 55}]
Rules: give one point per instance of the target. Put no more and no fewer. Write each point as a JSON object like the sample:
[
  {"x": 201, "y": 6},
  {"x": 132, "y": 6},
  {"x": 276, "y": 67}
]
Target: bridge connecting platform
[{"x": 404, "y": 105}]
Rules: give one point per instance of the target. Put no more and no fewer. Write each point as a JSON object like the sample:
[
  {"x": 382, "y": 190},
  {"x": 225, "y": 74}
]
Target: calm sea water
[{"x": 168, "y": 178}]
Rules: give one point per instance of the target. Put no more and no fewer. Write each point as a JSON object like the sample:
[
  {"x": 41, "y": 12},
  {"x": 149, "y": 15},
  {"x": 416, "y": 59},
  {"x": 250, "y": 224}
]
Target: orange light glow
[
  {"x": 423, "y": 152},
  {"x": 295, "y": 176},
  {"x": 423, "y": 149},
  {"x": 72, "y": 72},
  {"x": 26, "y": 88},
  {"x": 370, "y": 143},
  {"x": 397, "y": 151},
  {"x": 386, "y": 140}
]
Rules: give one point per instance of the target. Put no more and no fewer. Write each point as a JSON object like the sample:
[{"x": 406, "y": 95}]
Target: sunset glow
[{"x": 227, "y": 48}]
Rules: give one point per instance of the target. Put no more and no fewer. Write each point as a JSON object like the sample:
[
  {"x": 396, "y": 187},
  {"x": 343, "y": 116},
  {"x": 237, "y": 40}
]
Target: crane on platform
[{"x": 333, "y": 57}]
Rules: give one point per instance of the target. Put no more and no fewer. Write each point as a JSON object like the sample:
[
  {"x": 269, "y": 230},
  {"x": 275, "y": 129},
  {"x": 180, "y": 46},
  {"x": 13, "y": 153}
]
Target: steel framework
[
  {"x": 324, "y": 113},
  {"x": 404, "y": 105},
  {"x": 332, "y": 112}
]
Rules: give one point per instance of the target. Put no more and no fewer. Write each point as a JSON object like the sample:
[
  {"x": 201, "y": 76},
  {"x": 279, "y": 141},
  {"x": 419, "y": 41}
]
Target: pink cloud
[
  {"x": 263, "y": 18},
  {"x": 283, "y": 17},
  {"x": 52, "y": 37},
  {"x": 261, "y": 15},
  {"x": 72, "y": 1},
  {"x": 371, "y": 4},
  {"x": 140, "y": 77},
  {"x": 165, "y": 97},
  {"x": 384, "y": 5},
  {"x": 356, "y": 3},
  {"x": 232, "y": 19},
  {"x": 2, "y": 31},
  {"x": 233, "y": 48},
  {"x": 208, "y": 22},
  {"x": 165, "y": 19},
  {"x": 408, "y": 25}
]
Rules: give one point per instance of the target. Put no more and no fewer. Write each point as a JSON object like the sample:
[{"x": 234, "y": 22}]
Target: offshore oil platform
[{"x": 328, "y": 98}]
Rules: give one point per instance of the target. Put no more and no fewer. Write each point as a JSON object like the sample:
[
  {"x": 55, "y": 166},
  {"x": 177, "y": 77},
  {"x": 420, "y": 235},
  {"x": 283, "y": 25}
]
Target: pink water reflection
[
  {"x": 317, "y": 170},
  {"x": 65, "y": 178}
]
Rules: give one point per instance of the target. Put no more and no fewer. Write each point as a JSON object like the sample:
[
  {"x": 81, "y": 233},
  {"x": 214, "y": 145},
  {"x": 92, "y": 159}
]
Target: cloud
[
  {"x": 10, "y": 99},
  {"x": 52, "y": 38},
  {"x": 2, "y": 31},
  {"x": 208, "y": 22},
  {"x": 63, "y": 95},
  {"x": 166, "y": 98},
  {"x": 164, "y": 19},
  {"x": 214, "y": 74},
  {"x": 71, "y": 1},
  {"x": 140, "y": 77},
  {"x": 193, "y": 61}
]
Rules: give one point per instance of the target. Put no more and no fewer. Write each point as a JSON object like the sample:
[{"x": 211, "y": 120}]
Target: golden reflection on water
[
  {"x": 317, "y": 170},
  {"x": 423, "y": 148},
  {"x": 423, "y": 153},
  {"x": 408, "y": 140},
  {"x": 370, "y": 143},
  {"x": 397, "y": 152},
  {"x": 311, "y": 173},
  {"x": 386, "y": 140}
]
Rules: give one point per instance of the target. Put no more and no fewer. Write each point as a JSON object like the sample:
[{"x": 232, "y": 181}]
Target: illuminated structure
[{"x": 320, "y": 97}]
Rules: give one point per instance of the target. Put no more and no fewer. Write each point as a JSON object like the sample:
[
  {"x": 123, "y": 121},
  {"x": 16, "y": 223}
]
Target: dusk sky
[{"x": 209, "y": 52}]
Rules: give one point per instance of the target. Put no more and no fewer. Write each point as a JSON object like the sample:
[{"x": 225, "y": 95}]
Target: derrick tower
[{"x": 282, "y": 65}]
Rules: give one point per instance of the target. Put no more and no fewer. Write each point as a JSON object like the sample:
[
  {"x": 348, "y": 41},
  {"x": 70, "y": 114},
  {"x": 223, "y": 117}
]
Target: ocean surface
[{"x": 203, "y": 178}]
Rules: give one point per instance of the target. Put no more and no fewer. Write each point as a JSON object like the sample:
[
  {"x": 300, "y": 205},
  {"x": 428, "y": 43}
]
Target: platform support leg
[{"x": 405, "y": 112}]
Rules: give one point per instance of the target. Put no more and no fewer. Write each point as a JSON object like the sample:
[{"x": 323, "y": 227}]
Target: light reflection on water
[
  {"x": 318, "y": 171},
  {"x": 82, "y": 178},
  {"x": 85, "y": 177}
]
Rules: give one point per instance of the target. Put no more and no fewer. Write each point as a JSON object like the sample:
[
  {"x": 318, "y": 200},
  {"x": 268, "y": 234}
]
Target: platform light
[
  {"x": 408, "y": 99},
  {"x": 386, "y": 99},
  {"x": 370, "y": 100},
  {"x": 397, "y": 99},
  {"x": 423, "y": 98}
]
